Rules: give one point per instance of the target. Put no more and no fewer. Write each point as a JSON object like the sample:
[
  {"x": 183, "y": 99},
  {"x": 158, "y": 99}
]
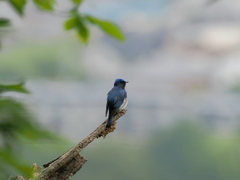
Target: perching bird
[{"x": 116, "y": 99}]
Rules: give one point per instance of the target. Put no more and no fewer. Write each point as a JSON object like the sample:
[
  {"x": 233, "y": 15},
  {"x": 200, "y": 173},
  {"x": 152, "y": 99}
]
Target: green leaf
[
  {"x": 4, "y": 22},
  {"x": 83, "y": 31},
  {"x": 79, "y": 24},
  {"x": 77, "y": 2},
  {"x": 45, "y": 4},
  {"x": 15, "y": 87},
  {"x": 107, "y": 26},
  {"x": 70, "y": 23},
  {"x": 18, "y": 5}
]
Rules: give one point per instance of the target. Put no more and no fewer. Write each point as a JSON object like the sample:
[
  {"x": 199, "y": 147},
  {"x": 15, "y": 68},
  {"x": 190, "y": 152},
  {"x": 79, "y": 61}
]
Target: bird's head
[{"x": 120, "y": 82}]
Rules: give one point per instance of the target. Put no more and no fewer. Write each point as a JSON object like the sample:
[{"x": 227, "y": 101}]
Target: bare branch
[{"x": 70, "y": 162}]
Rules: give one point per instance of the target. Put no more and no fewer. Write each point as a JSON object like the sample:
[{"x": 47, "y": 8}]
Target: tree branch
[{"x": 69, "y": 163}]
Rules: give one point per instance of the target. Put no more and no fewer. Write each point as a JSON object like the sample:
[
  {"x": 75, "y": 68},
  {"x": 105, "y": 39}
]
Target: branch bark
[{"x": 66, "y": 165}]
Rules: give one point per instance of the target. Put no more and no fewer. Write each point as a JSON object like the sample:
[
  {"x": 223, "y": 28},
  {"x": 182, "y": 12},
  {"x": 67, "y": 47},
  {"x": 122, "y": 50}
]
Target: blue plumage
[{"x": 116, "y": 99}]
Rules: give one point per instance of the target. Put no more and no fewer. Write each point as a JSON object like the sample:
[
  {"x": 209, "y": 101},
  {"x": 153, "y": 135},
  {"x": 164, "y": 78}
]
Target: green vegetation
[
  {"x": 16, "y": 126},
  {"x": 76, "y": 20},
  {"x": 235, "y": 88},
  {"x": 183, "y": 152},
  {"x": 59, "y": 60}
]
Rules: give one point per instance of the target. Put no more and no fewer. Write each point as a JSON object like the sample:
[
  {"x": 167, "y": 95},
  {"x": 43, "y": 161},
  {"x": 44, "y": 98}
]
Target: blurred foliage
[
  {"x": 235, "y": 87},
  {"x": 45, "y": 4},
  {"x": 80, "y": 23},
  {"x": 14, "y": 87},
  {"x": 77, "y": 2},
  {"x": 107, "y": 26},
  {"x": 18, "y": 5},
  {"x": 190, "y": 152},
  {"x": 4, "y": 22},
  {"x": 16, "y": 124},
  {"x": 76, "y": 20},
  {"x": 186, "y": 151},
  {"x": 56, "y": 60}
]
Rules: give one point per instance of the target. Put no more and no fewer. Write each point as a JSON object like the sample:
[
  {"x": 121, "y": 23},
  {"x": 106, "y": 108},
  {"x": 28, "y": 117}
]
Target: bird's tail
[{"x": 109, "y": 121}]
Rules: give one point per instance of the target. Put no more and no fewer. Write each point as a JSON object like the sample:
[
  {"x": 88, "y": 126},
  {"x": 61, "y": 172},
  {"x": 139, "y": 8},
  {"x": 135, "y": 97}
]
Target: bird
[{"x": 116, "y": 99}]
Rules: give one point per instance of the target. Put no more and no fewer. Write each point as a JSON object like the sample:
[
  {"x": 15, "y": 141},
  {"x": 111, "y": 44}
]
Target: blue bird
[{"x": 116, "y": 99}]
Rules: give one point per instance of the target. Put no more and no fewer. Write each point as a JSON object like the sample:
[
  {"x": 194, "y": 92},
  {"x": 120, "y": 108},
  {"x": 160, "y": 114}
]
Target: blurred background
[{"x": 182, "y": 61}]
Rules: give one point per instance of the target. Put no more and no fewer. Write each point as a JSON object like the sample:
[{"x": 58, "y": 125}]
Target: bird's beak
[{"x": 126, "y": 81}]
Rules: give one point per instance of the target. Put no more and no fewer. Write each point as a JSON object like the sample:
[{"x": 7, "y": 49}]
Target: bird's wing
[
  {"x": 116, "y": 97},
  {"x": 121, "y": 96}
]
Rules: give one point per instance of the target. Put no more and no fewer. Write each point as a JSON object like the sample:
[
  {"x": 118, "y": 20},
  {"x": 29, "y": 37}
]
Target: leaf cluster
[
  {"x": 80, "y": 24},
  {"x": 76, "y": 20},
  {"x": 16, "y": 125}
]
